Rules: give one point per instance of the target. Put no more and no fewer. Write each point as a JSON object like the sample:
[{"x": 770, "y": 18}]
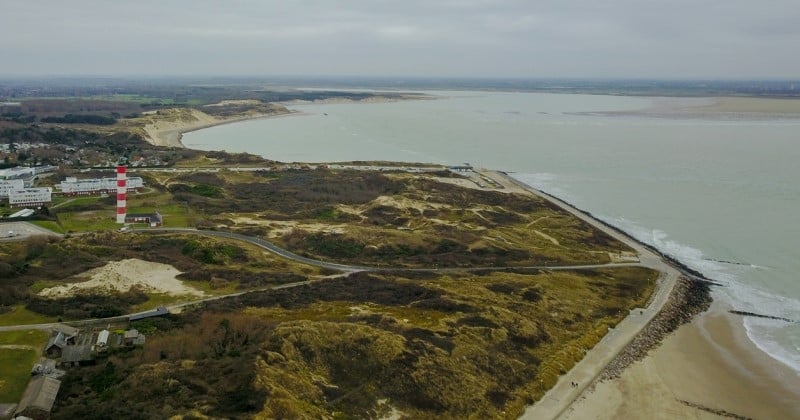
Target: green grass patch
[
  {"x": 88, "y": 221},
  {"x": 15, "y": 372},
  {"x": 174, "y": 215},
  {"x": 206, "y": 190},
  {"x": 64, "y": 203},
  {"x": 21, "y": 316},
  {"x": 32, "y": 338},
  {"x": 49, "y": 225},
  {"x": 40, "y": 285}
]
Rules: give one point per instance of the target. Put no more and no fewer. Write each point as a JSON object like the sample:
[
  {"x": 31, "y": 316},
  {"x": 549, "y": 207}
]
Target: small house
[
  {"x": 134, "y": 338},
  {"x": 57, "y": 342},
  {"x": 150, "y": 219}
]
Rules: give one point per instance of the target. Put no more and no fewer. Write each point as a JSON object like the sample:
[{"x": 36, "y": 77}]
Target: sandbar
[{"x": 750, "y": 105}]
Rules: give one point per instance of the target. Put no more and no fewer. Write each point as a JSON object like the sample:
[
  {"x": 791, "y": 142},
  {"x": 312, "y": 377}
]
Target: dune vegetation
[
  {"x": 481, "y": 339},
  {"x": 462, "y": 345}
]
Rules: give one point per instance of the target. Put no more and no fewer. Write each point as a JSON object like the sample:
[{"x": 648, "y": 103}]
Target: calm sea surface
[{"x": 720, "y": 193}]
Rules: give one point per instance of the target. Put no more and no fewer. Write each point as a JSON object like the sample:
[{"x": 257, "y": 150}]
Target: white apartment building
[
  {"x": 25, "y": 171},
  {"x": 30, "y": 197},
  {"x": 7, "y": 185},
  {"x": 74, "y": 186}
]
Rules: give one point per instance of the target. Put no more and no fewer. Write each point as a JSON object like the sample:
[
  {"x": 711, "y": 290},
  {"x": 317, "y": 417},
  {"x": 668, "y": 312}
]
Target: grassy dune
[
  {"x": 456, "y": 346},
  {"x": 428, "y": 345},
  {"x": 214, "y": 265}
]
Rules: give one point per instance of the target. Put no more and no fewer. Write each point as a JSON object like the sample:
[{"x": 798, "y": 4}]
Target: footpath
[{"x": 572, "y": 384}]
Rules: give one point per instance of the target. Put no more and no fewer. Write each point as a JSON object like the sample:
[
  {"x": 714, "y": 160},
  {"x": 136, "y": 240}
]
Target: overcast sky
[{"x": 456, "y": 38}]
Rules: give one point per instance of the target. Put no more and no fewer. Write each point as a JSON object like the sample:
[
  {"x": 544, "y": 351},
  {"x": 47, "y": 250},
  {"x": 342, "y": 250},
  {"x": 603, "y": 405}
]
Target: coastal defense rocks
[{"x": 689, "y": 298}]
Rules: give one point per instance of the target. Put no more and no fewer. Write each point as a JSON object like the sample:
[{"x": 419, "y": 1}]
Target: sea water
[{"x": 718, "y": 192}]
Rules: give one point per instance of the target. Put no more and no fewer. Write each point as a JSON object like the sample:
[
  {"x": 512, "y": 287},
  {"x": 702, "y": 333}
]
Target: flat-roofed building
[
  {"x": 25, "y": 171},
  {"x": 30, "y": 197},
  {"x": 17, "y": 172},
  {"x": 151, "y": 219},
  {"x": 7, "y": 185},
  {"x": 75, "y": 186}
]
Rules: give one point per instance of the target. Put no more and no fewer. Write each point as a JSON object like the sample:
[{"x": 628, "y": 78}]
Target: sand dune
[{"x": 121, "y": 276}]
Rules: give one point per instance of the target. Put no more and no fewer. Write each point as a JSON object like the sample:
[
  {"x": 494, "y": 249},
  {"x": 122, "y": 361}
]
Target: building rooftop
[
  {"x": 77, "y": 353},
  {"x": 40, "y": 394}
]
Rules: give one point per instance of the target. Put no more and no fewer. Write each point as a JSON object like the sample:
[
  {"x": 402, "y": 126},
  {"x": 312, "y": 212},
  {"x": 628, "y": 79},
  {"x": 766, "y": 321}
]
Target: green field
[
  {"x": 15, "y": 372},
  {"x": 49, "y": 225},
  {"x": 89, "y": 214},
  {"x": 21, "y": 316},
  {"x": 32, "y": 338}
]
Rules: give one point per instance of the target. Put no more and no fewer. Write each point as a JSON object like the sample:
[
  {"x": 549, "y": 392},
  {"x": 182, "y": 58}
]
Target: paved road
[
  {"x": 269, "y": 246},
  {"x": 561, "y": 396},
  {"x": 22, "y": 231}
]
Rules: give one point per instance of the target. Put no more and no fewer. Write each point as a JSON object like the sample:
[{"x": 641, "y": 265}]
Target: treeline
[{"x": 80, "y": 119}]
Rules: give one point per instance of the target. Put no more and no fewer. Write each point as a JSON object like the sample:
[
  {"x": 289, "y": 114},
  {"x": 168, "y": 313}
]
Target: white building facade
[
  {"x": 25, "y": 171},
  {"x": 7, "y": 185},
  {"x": 30, "y": 197},
  {"x": 74, "y": 186}
]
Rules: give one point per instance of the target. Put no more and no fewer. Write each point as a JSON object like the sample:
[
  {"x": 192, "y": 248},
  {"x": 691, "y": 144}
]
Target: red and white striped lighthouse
[{"x": 122, "y": 191}]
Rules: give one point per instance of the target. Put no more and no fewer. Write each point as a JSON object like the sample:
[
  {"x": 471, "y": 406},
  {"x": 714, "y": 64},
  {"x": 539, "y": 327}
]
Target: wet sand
[
  {"x": 707, "y": 369},
  {"x": 714, "y": 108},
  {"x": 749, "y": 105}
]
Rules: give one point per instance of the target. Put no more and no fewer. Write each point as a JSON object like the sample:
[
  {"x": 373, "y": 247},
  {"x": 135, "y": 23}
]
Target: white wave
[
  {"x": 766, "y": 334},
  {"x": 778, "y": 339},
  {"x": 692, "y": 257}
]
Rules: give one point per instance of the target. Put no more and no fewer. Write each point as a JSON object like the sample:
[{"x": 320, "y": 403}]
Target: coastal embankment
[
  {"x": 706, "y": 369},
  {"x": 692, "y": 360}
]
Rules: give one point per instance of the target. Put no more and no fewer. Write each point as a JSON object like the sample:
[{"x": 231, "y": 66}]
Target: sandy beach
[
  {"x": 707, "y": 369},
  {"x": 168, "y": 132}
]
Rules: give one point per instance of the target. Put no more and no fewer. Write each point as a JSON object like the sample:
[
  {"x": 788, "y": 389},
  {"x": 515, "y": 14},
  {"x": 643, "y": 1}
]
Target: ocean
[{"x": 719, "y": 192}]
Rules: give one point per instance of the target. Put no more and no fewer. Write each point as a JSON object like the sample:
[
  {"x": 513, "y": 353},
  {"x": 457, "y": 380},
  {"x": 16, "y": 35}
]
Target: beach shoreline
[
  {"x": 707, "y": 368},
  {"x": 726, "y": 379},
  {"x": 170, "y": 134},
  {"x": 708, "y": 365}
]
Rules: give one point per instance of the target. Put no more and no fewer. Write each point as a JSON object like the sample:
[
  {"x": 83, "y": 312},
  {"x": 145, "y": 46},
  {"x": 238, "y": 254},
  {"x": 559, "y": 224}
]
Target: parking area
[{"x": 21, "y": 230}]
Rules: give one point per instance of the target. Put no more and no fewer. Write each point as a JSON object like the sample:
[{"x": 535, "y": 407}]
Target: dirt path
[{"x": 18, "y": 347}]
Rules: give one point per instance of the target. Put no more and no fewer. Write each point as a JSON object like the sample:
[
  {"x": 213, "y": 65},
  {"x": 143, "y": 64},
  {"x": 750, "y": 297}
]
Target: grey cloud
[{"x": 570, "y": 38}]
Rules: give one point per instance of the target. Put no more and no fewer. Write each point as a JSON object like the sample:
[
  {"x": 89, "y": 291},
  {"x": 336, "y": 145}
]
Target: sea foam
[{"x": 778, "y": 339}]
